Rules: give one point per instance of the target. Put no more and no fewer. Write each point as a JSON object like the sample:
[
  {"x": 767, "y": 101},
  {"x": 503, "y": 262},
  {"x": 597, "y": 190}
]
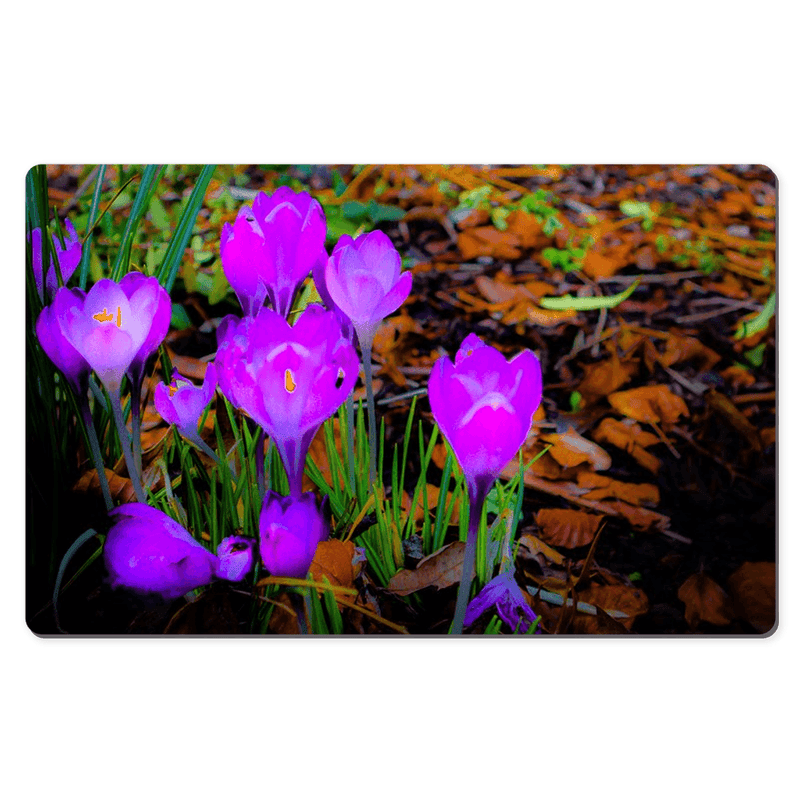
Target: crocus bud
[
  {"x": 148, "y": 552},
  {"x": 290, "y": 530},
  {"x": 235, "y": 554},
  {"x": 182, "y": 403},
  {"x": 362, "y": 278},
  {"x": 68, "y": 256},
  {"x": 484, "y": 406},
  {"x": 272, "y": 247}
]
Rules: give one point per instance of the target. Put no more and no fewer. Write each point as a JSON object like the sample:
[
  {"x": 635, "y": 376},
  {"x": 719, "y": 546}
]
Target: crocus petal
[{"x": 59, "y": 350}]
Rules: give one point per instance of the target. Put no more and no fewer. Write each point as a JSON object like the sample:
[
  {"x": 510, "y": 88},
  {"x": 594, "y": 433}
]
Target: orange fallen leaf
[
  {"x": 604, "y": 377},
  {"x": 564, "y": 527},
  {"x": 641, "y": 519},
  {"x": 334, "y": 561},
  {"x": 121, "y": 489},
  {"x": 650, "y": 404},
  {"x": 602, "y": 487},
  {"x": 534, "y": 545},
  {"x": 617, "y": 597},
  {"x": 570, "y": 449},
  {"x": 488, "y": 241},
  {"x": 440, "y": 569},
  {"x": 596, "y": 265},
  {"x": 548, "y": 318},
  {"x": 680, "y": 349},
  {"x": 752, "y": 588},
  {"x": 738, "y": 377},
  {"x": 629, "y": 436},
  {"x": 705, "y": 600}
]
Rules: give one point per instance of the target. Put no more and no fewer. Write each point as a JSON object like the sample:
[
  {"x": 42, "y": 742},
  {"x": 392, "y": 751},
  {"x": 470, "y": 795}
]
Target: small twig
[
  {"x": 717, "y": 312},
  {"x": 664, "y": 439},
  {"x": 695, "y": 387},
  {"x": 762, "y": 397},
  {"x": 669, "y": 277}
]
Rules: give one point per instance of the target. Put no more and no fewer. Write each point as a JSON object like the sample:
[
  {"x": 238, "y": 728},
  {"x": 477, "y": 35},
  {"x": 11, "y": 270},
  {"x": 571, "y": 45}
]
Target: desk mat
[{"x": 401, "y": 400}]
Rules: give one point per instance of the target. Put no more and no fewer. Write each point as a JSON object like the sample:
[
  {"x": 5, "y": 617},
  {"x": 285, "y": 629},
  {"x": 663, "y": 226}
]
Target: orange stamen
[
  {"x": 103, "y": 316},
  {"x": 288, "y": 381}
]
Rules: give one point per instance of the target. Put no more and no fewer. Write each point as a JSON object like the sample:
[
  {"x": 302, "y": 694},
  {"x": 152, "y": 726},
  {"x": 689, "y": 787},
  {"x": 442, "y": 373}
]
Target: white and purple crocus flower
[{"x": 69, "y": 256}]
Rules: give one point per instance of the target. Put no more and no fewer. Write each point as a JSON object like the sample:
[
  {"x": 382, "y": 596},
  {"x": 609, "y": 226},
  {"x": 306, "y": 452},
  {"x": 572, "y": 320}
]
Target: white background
[{"x": 628, "y": 82}]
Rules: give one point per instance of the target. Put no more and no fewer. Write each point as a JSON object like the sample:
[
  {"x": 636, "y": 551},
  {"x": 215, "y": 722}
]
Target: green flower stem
[
  {"x": 350, "y": 415},
  {"x": 300, "y": 609},
  {"x": 260, "y": 439},
  {"x": 475, "y": 511},
  {"x": 136, "y": 425},
  {"x": 201, "y": 445},
  {"x": 136, "y": 480},
  {"x": 94, "y": 447},
  {"x": 366, "y": 360}
]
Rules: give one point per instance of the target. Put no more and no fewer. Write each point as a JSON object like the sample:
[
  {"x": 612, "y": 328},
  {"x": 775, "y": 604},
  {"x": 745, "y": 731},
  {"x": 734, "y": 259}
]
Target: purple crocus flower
[
  {"x": 182, "y": 403},
  {"x": 510, "y": 604},
  {"x": 148, "y": 552},
  {"x": 290, "y": 530},
  {"x": 362, "y": 280},
  {"x": 68, "y": 256},
  {"x": 106, "y": 326},
  {"x": 272, "y": 247},
  {"x": 484, "y": 406},
  {"x": 289, "y": 379}
]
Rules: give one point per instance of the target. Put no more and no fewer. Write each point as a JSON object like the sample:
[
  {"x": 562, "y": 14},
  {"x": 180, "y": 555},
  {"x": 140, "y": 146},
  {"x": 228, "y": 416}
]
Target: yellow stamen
[
  {"x": 119, "y": 316},
  {"x": 103, "y": 316},
  {"x": 172, "y": 390},
  {"x": 289, "y": 381}
]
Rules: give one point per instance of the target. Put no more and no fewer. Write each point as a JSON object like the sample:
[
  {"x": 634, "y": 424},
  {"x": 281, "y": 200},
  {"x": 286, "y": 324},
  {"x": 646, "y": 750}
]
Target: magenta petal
[
  {"x": 60, "y": 351},
  {"x": 148, "y": 552}
]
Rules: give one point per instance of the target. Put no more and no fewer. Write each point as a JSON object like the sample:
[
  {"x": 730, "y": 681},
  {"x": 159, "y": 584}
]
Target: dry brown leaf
[
  {"x": 440, "y": 569},
  {"x": 526, "y": 228},
  {"x": 189, "y": 367},
  {"x": 488, "y": 241},
  {"x": 596, "y": 265},
  {"x": 604, "y": 377},
  {"x": 549, "y": 318},
  {"x": 564, "y": 527},
  {"x": 121, "y": 489},
  {"x": 602, "y": 487},
  {"x": 629, "y": 436},
  {"x": 738, "y": 377},
  {"x": 570, "y": 449},
  {"x": 641, "y": 519},
  {"x": 334, "y": 561},
  {"x": 680, "y": 349},
  {"x": 738, "y": 421},
  {"x": 650, "y": 404},
  {"x": 705, "y": 601},
  {"x": 497, "y": 292},
  {"x": 617, "y": 597},
  {"x": 752, "y": 588},
  {"x": 534, "y": 545}
]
